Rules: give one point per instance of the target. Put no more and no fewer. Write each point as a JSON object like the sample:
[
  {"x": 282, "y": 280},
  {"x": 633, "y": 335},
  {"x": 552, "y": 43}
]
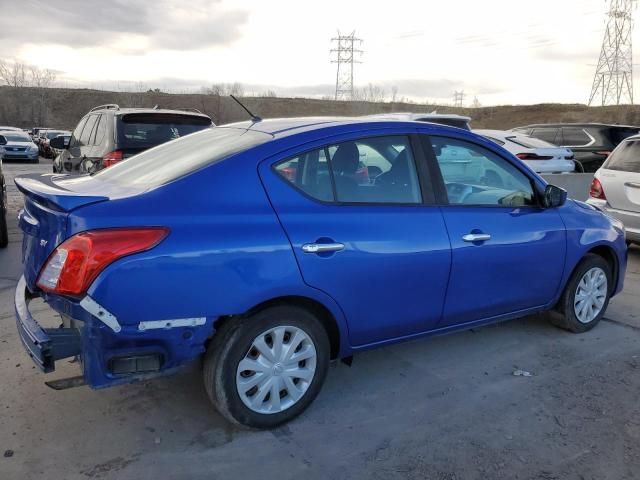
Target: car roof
[
  {"x": 417, "y": 116},
  {"x": 128, "y": 110},
  {"x": 281, "y": 127},
  {"x": 498, "y": 133}
]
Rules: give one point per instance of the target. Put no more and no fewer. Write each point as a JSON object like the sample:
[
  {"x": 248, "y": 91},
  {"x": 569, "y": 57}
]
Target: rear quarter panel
[{"x": 226, "y": 251}]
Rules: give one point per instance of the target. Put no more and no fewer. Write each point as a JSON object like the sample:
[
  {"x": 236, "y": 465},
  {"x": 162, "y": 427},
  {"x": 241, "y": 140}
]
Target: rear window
[
  {"x": 145, "y": 130},
  {"x": 546, "y": 134},
  {"x": 576, "y": 137},
  {"x": 530, "y": 142},
  {"x": 450, "y": 122},
  {"x": 617, "y": 135},
  {"x": 625, "y": 158},
  {"x": 173, "y": 160}
]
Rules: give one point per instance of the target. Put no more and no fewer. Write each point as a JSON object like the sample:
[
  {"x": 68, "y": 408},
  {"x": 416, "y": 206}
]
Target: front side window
[
  {"x": 474, "y": 175},
  {"x": 372, "y": 170}
]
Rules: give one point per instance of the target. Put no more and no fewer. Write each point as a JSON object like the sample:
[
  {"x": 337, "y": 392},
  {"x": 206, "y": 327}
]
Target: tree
[
  {"x": 13, "y": 73},
  {"x": 370, "y": 93}
]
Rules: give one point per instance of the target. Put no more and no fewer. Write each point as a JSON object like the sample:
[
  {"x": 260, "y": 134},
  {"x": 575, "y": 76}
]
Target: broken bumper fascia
[
  {"x": 44, "y": 345},
  {"x": 100, "y": 338}
]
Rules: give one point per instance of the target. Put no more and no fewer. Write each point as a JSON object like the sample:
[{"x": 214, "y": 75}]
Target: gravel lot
[{"x": 441, "y": 408}]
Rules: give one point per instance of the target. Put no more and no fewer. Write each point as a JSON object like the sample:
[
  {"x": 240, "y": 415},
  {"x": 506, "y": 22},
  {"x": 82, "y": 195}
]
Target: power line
[
  {"x": 346, "y": 55},
  {"x": 613, "y": 80}
]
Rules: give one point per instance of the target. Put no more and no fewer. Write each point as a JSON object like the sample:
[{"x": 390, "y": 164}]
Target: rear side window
[
  {"x": 625, "y": 158},
  {"x": 575, "y": 137},
  {"x": 547, "y": 134},
  {"x": 145, "y": 130},
  {"x": 101, "y": 127},
  {"x": 373, "y": 170},
  {"x": 75, "y": 136},
  {"x": 170, "y": 161},
  {"x": 85, "y": 136}
]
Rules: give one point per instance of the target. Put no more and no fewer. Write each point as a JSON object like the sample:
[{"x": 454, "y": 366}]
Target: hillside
[{"x": 62, "y": 108}]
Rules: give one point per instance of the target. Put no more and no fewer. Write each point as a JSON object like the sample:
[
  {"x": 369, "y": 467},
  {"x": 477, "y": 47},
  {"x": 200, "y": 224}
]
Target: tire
[
  {"x": 234, "y": 342},
  {"x": 565, "y": 315},
  {"x": 4, "y": 231}
]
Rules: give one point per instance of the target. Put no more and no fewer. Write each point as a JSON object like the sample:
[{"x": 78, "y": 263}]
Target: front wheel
[
  {"x": 265, "y": 370},
  {"x": 586, "y": 296}
]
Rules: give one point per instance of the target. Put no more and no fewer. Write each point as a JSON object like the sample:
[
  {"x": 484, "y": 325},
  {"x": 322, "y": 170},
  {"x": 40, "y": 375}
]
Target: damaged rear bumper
[{"x": 44, "y": 345}]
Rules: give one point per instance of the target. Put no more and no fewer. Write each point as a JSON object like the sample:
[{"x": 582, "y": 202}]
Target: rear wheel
[
  {"x": 586, "y": 295},
  {"x": 267, "y": 369}
]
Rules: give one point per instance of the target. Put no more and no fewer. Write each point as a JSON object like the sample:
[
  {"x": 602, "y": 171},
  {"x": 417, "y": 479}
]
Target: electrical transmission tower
[
  {"x": 458, "y": 98},
  {"x": 346, "y": 55},
  {"x": 613, "y": 82}
]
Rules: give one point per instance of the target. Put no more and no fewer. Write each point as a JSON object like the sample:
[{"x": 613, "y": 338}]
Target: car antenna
[{"x": 254, "y": 118}]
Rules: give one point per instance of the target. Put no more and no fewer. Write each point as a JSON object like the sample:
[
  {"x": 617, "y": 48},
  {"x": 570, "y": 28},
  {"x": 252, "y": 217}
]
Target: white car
[
  {"x": 449, "y": 119},
  {"x": 541, "y": 156}
]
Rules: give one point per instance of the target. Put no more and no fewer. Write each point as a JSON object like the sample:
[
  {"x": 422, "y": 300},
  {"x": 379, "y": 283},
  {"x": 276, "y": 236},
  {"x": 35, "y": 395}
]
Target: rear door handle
[
  {"x": 476, "y": 237},
  {"x": 322, "y": 247},
  {"x": 632, "y": 184}
]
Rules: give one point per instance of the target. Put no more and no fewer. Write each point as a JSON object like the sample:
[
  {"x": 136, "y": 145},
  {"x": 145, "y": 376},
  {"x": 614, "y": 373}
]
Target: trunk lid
[{"x": 48, "y": 199}]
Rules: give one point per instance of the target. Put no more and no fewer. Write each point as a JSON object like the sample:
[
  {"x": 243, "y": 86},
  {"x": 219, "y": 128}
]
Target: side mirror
[
  {"x": 3, "y": 140},
  {"x": 554, "y": 197},
  {"x": 59, "y": 143}
]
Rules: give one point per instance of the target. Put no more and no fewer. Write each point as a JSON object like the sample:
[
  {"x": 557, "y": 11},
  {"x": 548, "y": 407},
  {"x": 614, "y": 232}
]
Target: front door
[
  {"x": 507, "y": 252},
  {"x": 364, "y": 231}
]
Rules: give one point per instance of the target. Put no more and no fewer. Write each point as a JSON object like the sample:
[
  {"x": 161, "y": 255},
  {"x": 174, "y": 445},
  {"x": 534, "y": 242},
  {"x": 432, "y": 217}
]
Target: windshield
[
  {"x": 16, "y": 137},
  {"x": 145, "y": 130},
  {"x": 173, "y": 160}
]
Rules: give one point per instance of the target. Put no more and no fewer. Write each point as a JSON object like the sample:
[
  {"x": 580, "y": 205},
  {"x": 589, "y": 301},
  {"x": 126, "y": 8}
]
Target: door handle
[
  {"x": 476, "y": 237},
  {"x": 632, "y": 184},
  {"x": 322, "y": 247}
]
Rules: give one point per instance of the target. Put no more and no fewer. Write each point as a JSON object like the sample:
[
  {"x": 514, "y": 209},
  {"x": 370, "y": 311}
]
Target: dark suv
[
  {"x": 108, "y": 134},
  {"x": 591, "y": 142}
]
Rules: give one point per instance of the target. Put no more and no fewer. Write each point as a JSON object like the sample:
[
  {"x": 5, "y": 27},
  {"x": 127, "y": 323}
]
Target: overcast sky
[{"x": 502, "y": 51}]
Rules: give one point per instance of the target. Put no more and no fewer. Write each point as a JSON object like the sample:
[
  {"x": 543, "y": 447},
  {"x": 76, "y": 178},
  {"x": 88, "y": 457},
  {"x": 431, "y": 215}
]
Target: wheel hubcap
[
  {"x": 591, "y": 295},
  {"x": 277, "y": 370}
]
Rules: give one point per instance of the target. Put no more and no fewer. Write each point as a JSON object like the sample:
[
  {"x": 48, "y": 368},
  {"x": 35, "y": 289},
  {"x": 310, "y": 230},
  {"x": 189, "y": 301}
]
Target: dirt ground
[{"x": 442, "y": 408}]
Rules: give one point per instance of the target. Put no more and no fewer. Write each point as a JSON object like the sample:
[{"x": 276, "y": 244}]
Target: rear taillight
[
  {"x": 532, "y": 156},
  {"x": 596, "y": 190},
  {"x": 75, "y": 263},
  {"x": 604, "y": 153},
  {"x": 112, "y": 158}
]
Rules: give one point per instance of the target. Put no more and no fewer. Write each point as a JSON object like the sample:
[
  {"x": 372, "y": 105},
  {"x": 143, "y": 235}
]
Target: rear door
[
  {"x": 364, "y": 230},
  {"x": 620, "y": 177},
  {"x": 507, "y": 253}
]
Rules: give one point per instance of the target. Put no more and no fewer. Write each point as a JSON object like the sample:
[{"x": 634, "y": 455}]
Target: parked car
[
  {"x": 19, "y": 146},
  {"x": 208, "y": 246},
  {"x": 449, "y": 119},
  {"x": 45, "y": 142},
  {"x": 540, "y": 156},
  {"x": 7, "y": 128},
  {"x": 615, "y": 188},
  {"x": 4, "y": 231},
  {"x": 591, "y": 143},
  {"x": 109, "y": 134},
  {"x": 35, "y": 131},
  {"x": 66, "y": 137}
]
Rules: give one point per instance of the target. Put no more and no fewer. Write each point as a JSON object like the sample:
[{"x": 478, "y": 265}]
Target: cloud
[{"x": 161, "y": 24}]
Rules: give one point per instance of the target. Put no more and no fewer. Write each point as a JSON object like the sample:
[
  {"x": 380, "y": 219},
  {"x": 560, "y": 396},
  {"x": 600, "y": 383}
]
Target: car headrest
[{"x": 346, "y": 159}]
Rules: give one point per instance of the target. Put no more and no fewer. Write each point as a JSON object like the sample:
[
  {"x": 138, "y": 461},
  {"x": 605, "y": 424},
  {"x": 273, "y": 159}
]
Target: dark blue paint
[{"x": 236, "y": 231}]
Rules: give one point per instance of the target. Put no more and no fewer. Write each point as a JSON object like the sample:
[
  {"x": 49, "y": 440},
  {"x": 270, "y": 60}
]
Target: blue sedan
[{"x": 271, "y": 248}]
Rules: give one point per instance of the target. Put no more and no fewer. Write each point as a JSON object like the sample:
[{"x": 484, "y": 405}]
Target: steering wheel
[{"x": 458, "y": 192}]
